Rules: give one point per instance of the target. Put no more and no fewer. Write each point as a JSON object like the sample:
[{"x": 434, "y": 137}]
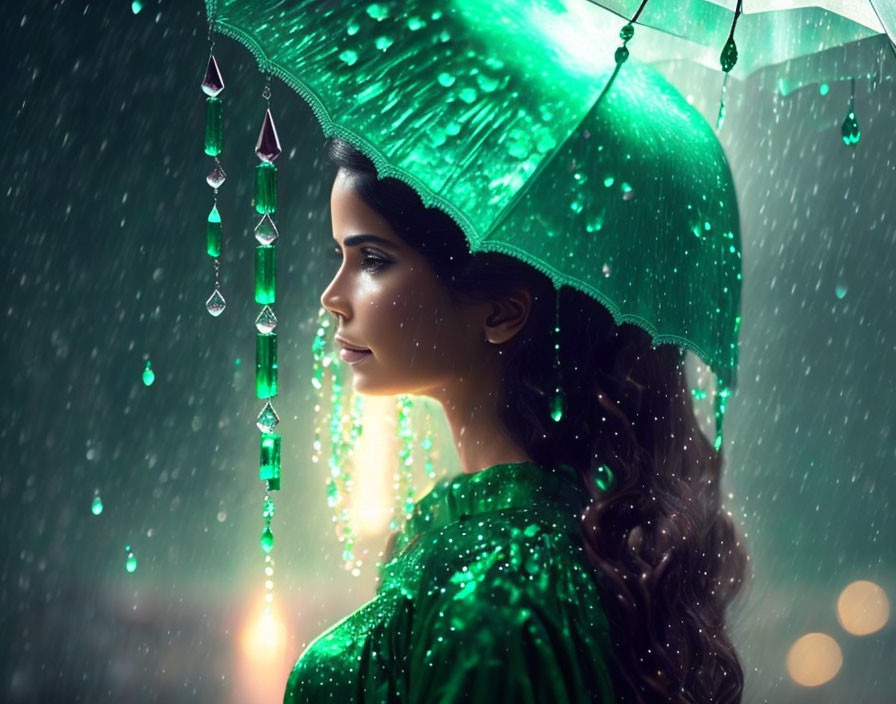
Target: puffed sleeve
[{"x": 513, "y": 637}]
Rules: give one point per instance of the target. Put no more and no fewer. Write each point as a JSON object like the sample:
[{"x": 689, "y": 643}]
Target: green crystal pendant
[
  {"x": 213, "y": 126},
  {"x": 265, "y": 364},
  {"x": 265, "y": 188},
  {"x": 270, "y": 457},
  {"x": 213, "y": 233},
  {"x": 267, "y": 540},
  {"x": 265, "y": 273}
]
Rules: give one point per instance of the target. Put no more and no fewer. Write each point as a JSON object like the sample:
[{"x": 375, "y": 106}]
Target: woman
[{"x": 585, "y": 559}]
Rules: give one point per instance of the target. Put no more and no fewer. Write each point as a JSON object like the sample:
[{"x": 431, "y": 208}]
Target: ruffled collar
[{"x": 514, "y": 485}]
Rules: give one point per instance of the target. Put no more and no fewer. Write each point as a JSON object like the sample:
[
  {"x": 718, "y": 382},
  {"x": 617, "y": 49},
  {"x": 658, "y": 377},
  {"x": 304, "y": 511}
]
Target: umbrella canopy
[
  {"x": 798, "y": 42},
  {"x": 511, "y": 118}
]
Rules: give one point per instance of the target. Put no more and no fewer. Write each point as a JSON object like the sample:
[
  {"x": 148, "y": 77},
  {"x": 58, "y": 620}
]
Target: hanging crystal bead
[
  {"x": 268, "y": 146},
  {"x": 270, "y": 456},
  {"x": 265, "y": 273},
  {"x": 216, "y": 176},
  {"x": 213, "y": 126},
  {"x": 266, "y": 231},
  {"x": 213, "y": 233},
  {"x": 213, "y": 83},
  {"x": 216, "y": 303},
  {"x": 266, "y": 188},
  {"x": 266, "y": 320},
  {"x": 268, "y": 419},
  {"x": 728, "y": 56},
  {"x": 266, "y": 365},
  {"x": 267, "y": 540}
]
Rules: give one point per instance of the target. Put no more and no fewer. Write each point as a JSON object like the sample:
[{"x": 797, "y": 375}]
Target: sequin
[{"x": 486, "y": 596}]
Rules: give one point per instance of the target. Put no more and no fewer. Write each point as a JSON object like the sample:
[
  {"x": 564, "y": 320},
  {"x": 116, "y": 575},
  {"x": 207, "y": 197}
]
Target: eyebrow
[{"x": 353, "y": 240}]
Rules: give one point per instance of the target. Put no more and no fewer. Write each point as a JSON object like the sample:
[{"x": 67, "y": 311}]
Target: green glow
[
  {"x": 823, "y": 89},
  {"x": 131, "y": 564},
  {"x": 97, "y": 505},
  {"x": 149, "y": 375},
  {"x": 558, "y": 405}
]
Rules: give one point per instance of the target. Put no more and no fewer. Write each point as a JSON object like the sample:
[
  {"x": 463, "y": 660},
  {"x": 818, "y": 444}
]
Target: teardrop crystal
[
  {"x": 213, "y": 83},
  {"x": 266, "y": 320},
  {"x": 266, "y": 231},
  {"x": 268, "y": 419},
  {"x": 268, "y": 146},
  {"x": 216, "y": 176},
  {"x": 216, "y": 303}
]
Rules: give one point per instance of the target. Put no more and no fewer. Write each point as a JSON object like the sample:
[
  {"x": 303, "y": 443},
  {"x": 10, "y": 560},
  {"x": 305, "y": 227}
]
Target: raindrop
[
  {"x": 136, "y": 6},
  {"x": 149, "y": 375},
  {"x": 97, "y": 505},
  {"x": 383, "y": 43},
  {"x": 468, "y": 95},
  {"x": 352, "y": 29},
  {"x": 823, "y": 89},
  {"x": 446, "y": 79},
  {"x": 349, "y": 57},
  {"x": 840, "y": 291},
  {"x": 415, "y": 23},
  {"x": 487, "y": 83},
  {"x": 131, "y": 564},
  {"x": 378, "y": 12}
]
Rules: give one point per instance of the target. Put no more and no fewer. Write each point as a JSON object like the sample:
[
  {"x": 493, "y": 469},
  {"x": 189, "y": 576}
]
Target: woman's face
[{"x": 388, "y": 301}]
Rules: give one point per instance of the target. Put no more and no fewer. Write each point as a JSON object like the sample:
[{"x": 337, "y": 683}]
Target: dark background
[{"x": 103, "y": 209}]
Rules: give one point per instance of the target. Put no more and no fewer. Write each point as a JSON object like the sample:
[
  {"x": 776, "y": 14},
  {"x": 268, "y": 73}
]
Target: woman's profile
[{"x": 579, "y": 557}]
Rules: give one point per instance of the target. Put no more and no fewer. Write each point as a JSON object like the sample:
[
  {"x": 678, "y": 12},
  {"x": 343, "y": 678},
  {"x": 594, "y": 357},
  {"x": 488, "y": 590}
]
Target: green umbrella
[{"x": 516, "y": 120}]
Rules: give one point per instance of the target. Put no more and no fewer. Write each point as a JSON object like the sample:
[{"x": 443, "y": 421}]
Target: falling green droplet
[
  {"x": 576, "y": 206},
  {"x": 352, "y": 29},
  {"x": 349, "y": 57},
  {"x": 149, "y": 375},
  {"x": 823, "y": 89},
  {"x": 136, "y": 6},
  {"x": 267, "y": 540},
  {"x": 609, "y": 181},
  {"x": 131, "y": 564},
  {"x": 446, "y": 79},
  {"x": 97, "y": 505},
  {"x": 840, "y": 291}
]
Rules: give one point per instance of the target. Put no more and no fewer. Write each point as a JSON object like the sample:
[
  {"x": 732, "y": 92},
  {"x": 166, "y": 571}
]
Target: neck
[{"x": 480, "y": 436}]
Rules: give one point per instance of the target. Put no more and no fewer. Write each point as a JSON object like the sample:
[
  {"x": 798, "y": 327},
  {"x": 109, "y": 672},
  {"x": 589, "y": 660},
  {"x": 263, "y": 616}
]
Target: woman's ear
[{"x": 508, "y": 316}]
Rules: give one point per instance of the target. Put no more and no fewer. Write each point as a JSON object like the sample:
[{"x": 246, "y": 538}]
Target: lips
[
  {"x": 346, "y": 345},
  {"x": 351, "y": 353}
]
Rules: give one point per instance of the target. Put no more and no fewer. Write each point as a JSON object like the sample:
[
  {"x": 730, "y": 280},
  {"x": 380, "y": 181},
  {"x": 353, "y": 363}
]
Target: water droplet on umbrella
[
  {"x": 352, "y": 29},
  {"x": 446, "y": 79},
  {"x": 378, "y": 12},
  {"x": 415, "y": 23},
  {"x": 383, "y": 43},
  {"x": 349, "y": 57},
  {"x": 468, "y": 95}
]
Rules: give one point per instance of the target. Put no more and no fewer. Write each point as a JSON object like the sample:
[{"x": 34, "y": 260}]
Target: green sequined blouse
[{"x": 485, "y": 597}]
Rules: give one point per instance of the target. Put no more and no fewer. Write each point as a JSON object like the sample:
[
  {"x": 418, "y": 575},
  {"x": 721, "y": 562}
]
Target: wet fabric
[{"x": 486, "y": 597}]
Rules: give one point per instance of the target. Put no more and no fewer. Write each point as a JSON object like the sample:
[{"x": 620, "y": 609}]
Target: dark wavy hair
[{"x": 665, "y": 553}]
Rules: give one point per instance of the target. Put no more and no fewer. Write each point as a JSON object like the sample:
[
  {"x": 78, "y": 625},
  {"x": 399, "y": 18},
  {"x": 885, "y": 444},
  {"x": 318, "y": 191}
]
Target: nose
[{"x": 334, "y": 300}]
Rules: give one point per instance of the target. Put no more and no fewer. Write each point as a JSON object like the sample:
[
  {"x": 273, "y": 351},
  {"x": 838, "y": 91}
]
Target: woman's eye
[{"x": 373, "y": 263}]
